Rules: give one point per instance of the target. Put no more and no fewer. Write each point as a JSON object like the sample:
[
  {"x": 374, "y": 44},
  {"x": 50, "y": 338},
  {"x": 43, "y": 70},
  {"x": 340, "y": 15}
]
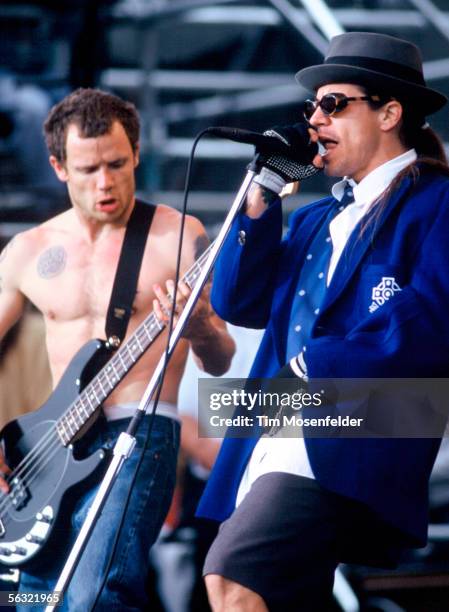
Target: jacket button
[{"x": 242, "y": 237}]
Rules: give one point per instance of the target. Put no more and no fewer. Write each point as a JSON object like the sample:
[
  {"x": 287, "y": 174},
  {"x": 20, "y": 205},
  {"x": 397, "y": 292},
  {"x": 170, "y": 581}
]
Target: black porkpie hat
[{"x": 383, "y": 64}]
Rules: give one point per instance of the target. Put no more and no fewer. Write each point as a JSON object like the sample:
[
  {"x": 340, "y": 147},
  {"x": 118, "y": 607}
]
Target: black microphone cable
[
  {"x": 152, "y": 415},
  {"x": 294, "y": 170}
]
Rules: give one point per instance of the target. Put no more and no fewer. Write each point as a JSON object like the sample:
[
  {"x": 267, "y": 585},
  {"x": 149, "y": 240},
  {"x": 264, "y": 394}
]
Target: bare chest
[{"x": 73, "y": 281}]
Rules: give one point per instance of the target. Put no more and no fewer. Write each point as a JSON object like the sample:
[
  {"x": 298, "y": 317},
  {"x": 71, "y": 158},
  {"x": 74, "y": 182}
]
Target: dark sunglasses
[{"x": 332, "y": 103}]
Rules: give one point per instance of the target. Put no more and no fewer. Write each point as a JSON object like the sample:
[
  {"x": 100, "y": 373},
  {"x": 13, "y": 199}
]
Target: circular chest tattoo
[{"x": 52, "y": 262}]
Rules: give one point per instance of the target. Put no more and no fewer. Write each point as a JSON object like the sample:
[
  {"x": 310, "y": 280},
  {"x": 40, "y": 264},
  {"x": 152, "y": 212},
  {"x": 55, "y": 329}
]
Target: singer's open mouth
[
  {"x": 321, "y": 149},
  {"x": 107, "y": 205},
  {"x": 326, "y": 144}
]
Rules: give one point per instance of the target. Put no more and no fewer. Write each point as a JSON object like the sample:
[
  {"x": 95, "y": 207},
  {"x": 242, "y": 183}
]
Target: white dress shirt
[
  {"x": 277, "y": 454},
  {"x": 365, "y": 193}
]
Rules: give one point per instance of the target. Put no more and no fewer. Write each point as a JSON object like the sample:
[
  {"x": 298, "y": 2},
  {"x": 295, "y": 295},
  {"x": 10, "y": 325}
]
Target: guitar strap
[{"x": 127, "y": 274}]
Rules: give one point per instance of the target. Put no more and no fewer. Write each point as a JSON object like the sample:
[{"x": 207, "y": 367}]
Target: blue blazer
[{"x": 406, "y": 337}]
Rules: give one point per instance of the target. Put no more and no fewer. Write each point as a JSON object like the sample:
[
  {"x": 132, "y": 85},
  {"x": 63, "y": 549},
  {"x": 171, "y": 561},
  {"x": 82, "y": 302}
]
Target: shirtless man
[{"x": 66, "y": 267}]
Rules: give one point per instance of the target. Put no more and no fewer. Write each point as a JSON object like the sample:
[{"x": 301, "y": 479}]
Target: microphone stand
[{"x": 127, "y": 441}]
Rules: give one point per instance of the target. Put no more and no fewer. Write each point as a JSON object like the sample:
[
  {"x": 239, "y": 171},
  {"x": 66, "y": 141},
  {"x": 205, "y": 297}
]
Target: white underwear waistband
[{"x": 124, "y": 411}]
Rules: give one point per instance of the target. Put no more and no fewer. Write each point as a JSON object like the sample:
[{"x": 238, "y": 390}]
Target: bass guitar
[{"x": 39, "y": 446}]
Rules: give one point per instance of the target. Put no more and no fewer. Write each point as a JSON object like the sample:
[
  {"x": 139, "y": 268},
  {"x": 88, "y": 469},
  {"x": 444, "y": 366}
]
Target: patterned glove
[{"x": 295, "y": 164}]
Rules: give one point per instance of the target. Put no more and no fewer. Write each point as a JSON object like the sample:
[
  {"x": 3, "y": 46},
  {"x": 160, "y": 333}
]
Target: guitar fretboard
[{"x": 107, "y": 379}]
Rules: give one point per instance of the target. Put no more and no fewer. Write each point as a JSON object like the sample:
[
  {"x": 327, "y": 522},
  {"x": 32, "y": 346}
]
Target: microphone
[
  {"x": 248, "y": 137},
  {"x": 286, "y": 150},
  {"x": 292, "y": 141}
]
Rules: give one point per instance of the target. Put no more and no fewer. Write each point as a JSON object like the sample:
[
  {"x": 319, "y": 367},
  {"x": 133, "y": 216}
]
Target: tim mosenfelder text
[{"x": 276, "y": 404}]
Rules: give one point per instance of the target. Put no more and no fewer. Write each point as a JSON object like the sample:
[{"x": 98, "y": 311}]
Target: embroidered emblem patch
[{"x": 383, "y": 292}]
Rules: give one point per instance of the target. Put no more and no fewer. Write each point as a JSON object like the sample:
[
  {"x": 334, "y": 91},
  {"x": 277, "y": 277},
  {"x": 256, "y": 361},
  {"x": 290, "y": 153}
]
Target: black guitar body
[{"x": 40, "y": 488}]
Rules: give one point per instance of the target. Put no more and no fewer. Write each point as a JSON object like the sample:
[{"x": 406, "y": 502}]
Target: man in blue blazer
[{"x": 359, "y": 288}]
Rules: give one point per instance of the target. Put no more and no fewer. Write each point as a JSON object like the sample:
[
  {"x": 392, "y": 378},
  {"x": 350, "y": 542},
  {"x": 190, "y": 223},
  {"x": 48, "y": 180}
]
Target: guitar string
[
  {"x": 127, "y": 364},
  {"x": 138, "y": 339},
  {"x": 190, "y": 278},
  {"x": 41, "y": 461},
  {"x": 91, "y": 386},
  {"x": 119, "y": 370},
  {"x": 44, "y": 458},
  {"x": 52, "y": 436}
]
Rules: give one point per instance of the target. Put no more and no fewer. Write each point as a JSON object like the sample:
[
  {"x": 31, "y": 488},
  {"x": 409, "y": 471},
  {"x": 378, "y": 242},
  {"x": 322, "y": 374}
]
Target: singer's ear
[{"x": 390, "y": 115}]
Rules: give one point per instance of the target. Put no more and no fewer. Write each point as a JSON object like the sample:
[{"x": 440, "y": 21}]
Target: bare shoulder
[
  {"x": 169, "y": 219},
  {"x": 167, "y": 223},
  {"x": 26, "y": 245},
  {"x": 19, "y": 249},
  {"x": 14, "y": 260}
]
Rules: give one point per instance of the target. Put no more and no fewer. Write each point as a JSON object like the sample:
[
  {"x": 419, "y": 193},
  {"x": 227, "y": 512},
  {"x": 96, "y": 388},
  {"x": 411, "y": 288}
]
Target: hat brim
[{"x": 313, "y": 77}]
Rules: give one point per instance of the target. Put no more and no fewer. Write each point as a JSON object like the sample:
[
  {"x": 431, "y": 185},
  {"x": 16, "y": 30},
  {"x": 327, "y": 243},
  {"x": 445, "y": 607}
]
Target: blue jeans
[{"x": 149, "y": 502}]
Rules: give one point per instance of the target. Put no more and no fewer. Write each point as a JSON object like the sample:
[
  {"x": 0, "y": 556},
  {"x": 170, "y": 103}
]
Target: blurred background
[{"x": 189, "y": 64}]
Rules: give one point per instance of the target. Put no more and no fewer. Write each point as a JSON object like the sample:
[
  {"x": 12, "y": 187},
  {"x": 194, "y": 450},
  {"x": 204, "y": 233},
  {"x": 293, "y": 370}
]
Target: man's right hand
[
  {"x": 278, "y": 171},
  {"x": 296, "y": 163},
  {"x": 4, "y": 469}
]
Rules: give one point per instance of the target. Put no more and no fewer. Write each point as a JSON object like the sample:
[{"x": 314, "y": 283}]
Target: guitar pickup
[{"x": 18, "y": 494}]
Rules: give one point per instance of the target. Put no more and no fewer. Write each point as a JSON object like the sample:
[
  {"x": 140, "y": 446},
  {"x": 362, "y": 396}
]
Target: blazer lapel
[{"x": 357, "y": 246}]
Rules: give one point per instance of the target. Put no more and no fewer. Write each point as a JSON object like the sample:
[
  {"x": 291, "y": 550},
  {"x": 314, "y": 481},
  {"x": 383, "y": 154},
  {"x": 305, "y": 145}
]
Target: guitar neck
[{"x": 107, "y": 379}]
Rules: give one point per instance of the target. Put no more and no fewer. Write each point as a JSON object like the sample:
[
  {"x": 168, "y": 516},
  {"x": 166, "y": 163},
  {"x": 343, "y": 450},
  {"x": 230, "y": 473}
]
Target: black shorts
[{"x": 287, "y": 537}]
